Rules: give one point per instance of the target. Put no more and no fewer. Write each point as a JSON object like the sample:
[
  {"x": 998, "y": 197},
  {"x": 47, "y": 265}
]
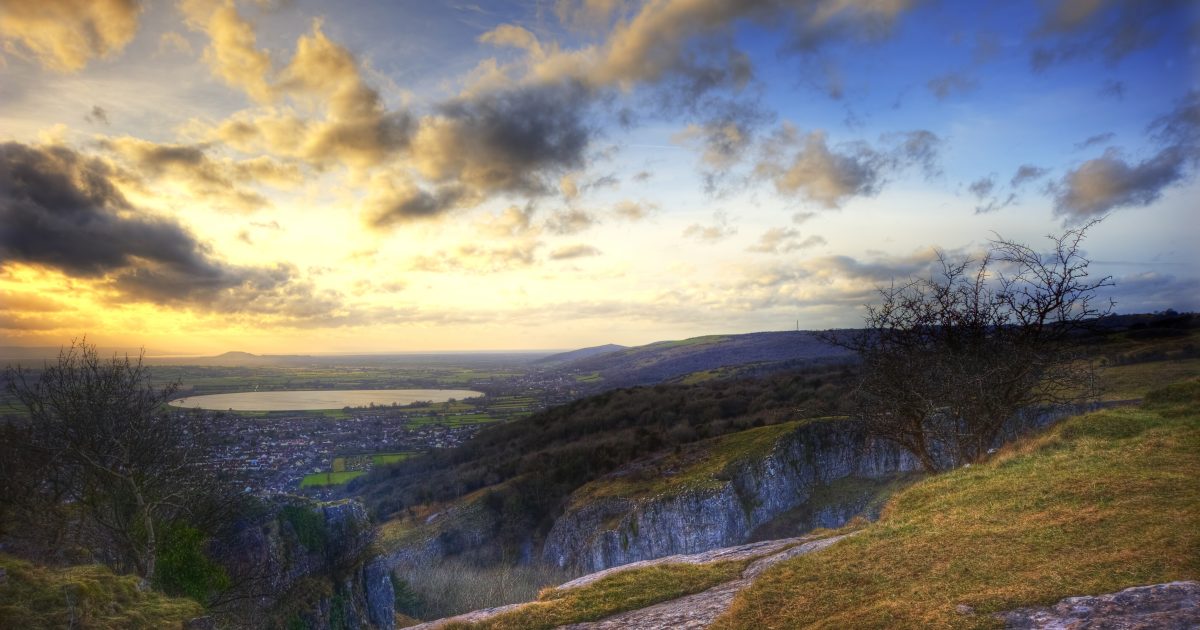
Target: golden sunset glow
[{"x": 211, "y": 175}]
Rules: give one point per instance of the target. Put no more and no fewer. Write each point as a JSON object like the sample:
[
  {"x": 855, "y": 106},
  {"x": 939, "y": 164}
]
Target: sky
[{"x": 300, "y": 176}]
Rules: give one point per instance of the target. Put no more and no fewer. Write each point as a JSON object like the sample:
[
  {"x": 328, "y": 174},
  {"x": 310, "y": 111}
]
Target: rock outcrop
[
  {"x": 1170, "y": 606},
  {"x": 823, "y": 474},
  {"x": 306, "y": 563},
  {"x": 612, "y": 531}
]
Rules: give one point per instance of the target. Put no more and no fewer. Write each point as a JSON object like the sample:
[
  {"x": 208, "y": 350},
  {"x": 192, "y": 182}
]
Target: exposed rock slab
[
  {"x": 701, "y": 609},
  {"x": 692, "y": 611},
  {"x": 1170, "y": 606}
]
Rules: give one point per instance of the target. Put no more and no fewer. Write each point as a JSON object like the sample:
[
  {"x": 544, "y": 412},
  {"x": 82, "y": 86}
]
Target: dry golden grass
[{"x": 1102, "y": 502}]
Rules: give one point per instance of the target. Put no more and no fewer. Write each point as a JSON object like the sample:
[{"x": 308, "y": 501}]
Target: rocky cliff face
[
  {"x": 614, "y": 531},
  {"x": 821, "y": 475},
  {"x": 305, "y": 563}
]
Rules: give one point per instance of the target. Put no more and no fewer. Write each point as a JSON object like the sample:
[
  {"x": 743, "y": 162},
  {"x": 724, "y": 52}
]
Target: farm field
[{"x": 329, "y": 478}]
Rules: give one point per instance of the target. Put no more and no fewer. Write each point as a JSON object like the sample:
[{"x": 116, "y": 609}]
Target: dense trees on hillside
[
  {"x": 532, "y": 465},
  {"x": 948, "y": 360}
]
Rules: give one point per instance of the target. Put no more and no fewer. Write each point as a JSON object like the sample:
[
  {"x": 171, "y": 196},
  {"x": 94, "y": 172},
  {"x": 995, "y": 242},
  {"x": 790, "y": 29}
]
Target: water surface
[{"x": 304, "y": 400}]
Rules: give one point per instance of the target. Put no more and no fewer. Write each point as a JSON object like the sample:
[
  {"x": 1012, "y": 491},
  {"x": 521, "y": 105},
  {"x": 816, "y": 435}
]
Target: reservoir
[{"x": 307, "y": 400}]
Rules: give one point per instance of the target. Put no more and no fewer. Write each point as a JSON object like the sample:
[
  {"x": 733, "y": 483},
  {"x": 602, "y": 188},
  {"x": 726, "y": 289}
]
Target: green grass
[
  {"x": 1101, "y": 502},
  {"x": 381, "y": 459},
  {"x": 329, "y": 478},
  {"x": 626, "y": 590},
  {"x": 89, "y": 596},
  {"x": 1125, "y": 382}
]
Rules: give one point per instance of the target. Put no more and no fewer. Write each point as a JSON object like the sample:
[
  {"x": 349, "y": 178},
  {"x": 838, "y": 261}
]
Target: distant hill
[
  {"x": 576, "y": 355},
  {"x": 701, "y": 358}
]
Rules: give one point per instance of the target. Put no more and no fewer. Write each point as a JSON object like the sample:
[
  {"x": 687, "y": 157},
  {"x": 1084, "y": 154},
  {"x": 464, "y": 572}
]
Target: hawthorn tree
[
  {"x": 949, "y": 360},
  {"x": 105, "y": 465}
]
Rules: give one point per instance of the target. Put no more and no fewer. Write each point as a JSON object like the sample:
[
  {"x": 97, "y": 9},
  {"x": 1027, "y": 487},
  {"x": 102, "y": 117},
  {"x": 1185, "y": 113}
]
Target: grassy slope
[
  {"x": 88, "y": 596},
  {"x": 1101, "y": 502}
]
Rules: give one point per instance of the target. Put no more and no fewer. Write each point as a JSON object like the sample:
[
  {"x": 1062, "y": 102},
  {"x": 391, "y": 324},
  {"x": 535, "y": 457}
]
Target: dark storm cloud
[
  {"x": 514, "y": 140},
  {"x": 1111, "y": 29},
  {"x": 59, "y": 209}
]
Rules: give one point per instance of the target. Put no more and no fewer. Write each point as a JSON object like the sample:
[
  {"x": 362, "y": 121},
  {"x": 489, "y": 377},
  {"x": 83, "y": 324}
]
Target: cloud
[
  {"x": 353, "y": 128},
  {"x": 396, "y": 199},
  {"x": 995, "y": 204},
  {"x": 805, "y": 165},
  {"x": 568, "y": 187},
  {"x": 1109, "y": 182},
  {"x": 232, "y": 52},
  {"x": 172, "y": 41},
  {"x": 1113, "y": 89},
  {"x": 1181, "y": 126},
  {"x": 1150, "y": 291},
  {"x": 950, "y": 84},
  {"x": 513, "y": 222},
  {"x": 570, "y": 221},
  {"x": 65, "y": 35},
  {"x": 574, "y": 251},
  {"x": 784, "y": 240},
  {"x": 633, "y": 210},
  {"x": 1097, "y": 139},
  {"x": 201, "y": 176},
  {"x": 1110, "y": 29},
  {"x": 474, "y": 258},
  {"x": 97, "y": 115},
  {"x": 516, "y": 140},
  {"x": 982, "y": 187},
  {"x": 60, "y": 210},
  {"x": 719, "y": 230},
  {"x": 1027, "y": 173},
  {"x": 817, "y": 173}
]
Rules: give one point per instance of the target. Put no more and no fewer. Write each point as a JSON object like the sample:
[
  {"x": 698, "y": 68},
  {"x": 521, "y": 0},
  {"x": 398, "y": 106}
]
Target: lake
[{"x": 305, "y": 400}]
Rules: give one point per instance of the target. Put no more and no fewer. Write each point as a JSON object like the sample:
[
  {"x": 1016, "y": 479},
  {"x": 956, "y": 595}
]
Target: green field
[
  {"x": 381, "y": 459},
  {"x": 316, "y": 480}
]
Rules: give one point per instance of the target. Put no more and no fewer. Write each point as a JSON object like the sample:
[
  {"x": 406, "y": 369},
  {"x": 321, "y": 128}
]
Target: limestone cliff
[
  {"x": 308, "y": 564},
  {"x": 605, "y": 529}
]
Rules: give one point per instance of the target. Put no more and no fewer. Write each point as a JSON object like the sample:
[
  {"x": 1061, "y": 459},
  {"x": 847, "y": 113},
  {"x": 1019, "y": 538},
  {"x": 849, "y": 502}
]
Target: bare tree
[
  {"x": 112, "y": 463},
  {"x": 949, "y": 360}
]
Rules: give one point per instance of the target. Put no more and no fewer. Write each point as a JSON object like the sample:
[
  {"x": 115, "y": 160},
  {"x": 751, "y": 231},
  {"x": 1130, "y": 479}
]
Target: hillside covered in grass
[
  {"x": 33, "y": 597},
  {"x": 1102, "y": 502}
]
